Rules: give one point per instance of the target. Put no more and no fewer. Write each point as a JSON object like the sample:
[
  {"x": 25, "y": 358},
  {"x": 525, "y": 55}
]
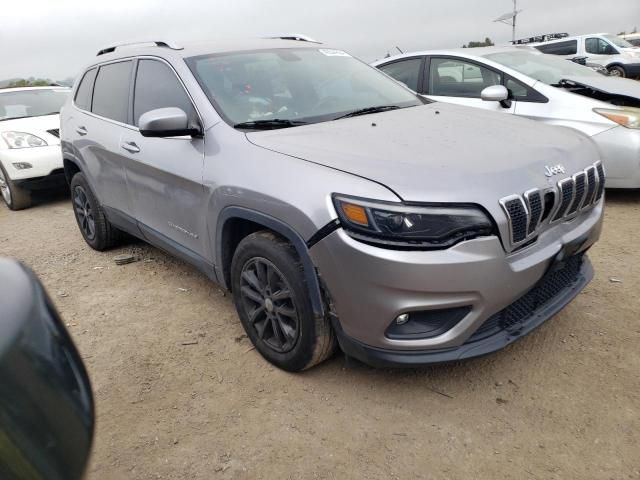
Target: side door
[
  {"x": 97, "y": 128},
  {"x": 165, "y": 174},
  {"x": 461, "y": 81}
]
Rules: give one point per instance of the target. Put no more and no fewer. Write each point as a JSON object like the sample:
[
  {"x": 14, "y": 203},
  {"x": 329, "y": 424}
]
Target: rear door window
[
  {"x": 158, "y": 87},
  {"x": 405, "y": 71},
  {"x": 83, "y": 94},
  {"x": 111, "y": 91}
]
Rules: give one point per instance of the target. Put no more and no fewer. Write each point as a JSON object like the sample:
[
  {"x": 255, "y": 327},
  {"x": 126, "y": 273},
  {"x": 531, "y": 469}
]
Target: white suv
[{"x": 30, "y": 155}]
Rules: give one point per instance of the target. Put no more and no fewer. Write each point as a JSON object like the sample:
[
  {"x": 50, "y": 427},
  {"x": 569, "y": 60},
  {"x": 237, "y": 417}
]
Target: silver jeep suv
[{"x": 332, "y": 201}]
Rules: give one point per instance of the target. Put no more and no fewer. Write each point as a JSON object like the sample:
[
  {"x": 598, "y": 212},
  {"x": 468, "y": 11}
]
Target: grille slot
[
  {"x": 580, "y": 180},
  {"x": 591, "y": 185},
  {"x": 566, "y": 187},
  {"x": 601, "y": 180},
  {"x": 515, "y": 316},
  {"x": 55, "y": 132},
  {"x": 518, "y": 215},
  {"x": 534, "y": 202}
]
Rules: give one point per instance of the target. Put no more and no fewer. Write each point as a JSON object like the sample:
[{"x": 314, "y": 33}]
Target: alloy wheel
[
  {"x": 84, "y": 212},
  {"x": 268, "y": 302},
  {"x": 4, "y": 188}
]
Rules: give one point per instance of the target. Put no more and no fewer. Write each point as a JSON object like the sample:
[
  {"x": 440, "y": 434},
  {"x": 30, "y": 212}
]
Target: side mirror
[
  {"x": 166, "y": 122},
  {"x": 496, "y": 93},
  {"x": 46, "y": 404}
]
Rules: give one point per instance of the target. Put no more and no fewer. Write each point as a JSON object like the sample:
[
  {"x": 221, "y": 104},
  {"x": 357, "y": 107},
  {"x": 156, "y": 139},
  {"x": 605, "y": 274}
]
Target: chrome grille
[{"x": 527, "y": 213}]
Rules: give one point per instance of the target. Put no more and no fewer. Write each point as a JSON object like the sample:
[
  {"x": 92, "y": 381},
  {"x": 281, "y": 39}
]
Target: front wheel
[
  {"x": 617, "y": 71},
  {"x": 15, "y": 197},
  {"x": 272, "y": 300}
]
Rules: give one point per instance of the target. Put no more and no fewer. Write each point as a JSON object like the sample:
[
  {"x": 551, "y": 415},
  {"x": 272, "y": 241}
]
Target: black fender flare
[{"x": 282, "y": 229}]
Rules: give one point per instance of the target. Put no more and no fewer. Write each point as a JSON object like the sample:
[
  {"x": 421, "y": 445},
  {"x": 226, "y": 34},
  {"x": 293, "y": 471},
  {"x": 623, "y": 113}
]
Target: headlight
[
  {"x": 628, "y": 117},
  {"x": 22, "y": 140},
  {"x": 410, "y": 226}
]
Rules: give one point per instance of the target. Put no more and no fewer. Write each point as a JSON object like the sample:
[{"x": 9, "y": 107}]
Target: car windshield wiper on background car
[
  {"x": 269, "y": 124},
  {"x": 368, "y": 110}
]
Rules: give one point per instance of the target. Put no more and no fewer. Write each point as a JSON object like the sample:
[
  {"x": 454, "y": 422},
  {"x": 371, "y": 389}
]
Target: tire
[
  {"x": 617, "y": 71},
  {"x": 271, "y": 296},
  {"x": 92, "y": 222},
  {"x": 15, "y": 197}
]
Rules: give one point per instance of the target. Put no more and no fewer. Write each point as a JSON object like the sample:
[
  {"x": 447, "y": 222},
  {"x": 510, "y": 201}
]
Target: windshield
[
  {"x": 31, "y": 103},
  {"x": 548, "y": 69},
  {"x": 617, "y": 41},
  {"x": 299, "y": 86}
]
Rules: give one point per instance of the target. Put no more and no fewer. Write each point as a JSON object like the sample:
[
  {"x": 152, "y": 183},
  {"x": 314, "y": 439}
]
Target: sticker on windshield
[{"x": 333, "y": 53}]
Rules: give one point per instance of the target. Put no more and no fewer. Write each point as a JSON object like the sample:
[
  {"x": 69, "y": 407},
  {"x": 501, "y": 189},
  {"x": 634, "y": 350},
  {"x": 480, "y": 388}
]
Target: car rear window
[
  {"x": 111, "y": 91},
  {"x": 83, "y": 94}
]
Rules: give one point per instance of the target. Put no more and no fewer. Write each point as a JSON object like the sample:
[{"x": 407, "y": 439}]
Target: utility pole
[
  {"x": 515, "y": 14},
  {"x": 510, "y": 19}
]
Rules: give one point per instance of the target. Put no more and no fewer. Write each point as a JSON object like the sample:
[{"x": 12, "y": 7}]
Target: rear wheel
[
  {"x": 272, "y": 300},
  {"x": 617, "y": 71},
  {"x": 15, "y": 197},
  {"x": 94, "y": 226}
]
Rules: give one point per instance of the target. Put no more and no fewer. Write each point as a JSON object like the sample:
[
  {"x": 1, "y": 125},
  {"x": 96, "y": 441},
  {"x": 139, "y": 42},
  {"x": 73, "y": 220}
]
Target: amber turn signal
[{"x": 355, "y": 213}]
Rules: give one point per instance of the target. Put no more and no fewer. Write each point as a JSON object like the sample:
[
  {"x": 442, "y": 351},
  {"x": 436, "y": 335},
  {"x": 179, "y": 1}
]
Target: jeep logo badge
[{"x": 554, "y": 170}]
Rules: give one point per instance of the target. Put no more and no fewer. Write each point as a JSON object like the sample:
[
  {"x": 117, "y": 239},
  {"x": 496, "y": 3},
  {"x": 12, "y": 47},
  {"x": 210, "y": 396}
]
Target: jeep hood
[{"x": 439, "y": 152}]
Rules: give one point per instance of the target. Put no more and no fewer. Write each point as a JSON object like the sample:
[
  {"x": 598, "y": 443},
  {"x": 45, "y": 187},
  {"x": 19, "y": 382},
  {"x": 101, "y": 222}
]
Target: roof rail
[
  {"x": 540, "y": 38},
  {"x": 157, "y": 43},
  {"x": 294, "y": 36}
]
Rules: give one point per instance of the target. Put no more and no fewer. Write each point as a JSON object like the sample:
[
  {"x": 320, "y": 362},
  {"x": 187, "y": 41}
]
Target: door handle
[
  {"x": 81, "y": 131},
  {"x": 130, "y": 147}
]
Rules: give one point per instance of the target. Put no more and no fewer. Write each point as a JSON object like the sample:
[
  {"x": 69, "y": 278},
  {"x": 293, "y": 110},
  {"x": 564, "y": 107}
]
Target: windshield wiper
[
  {"x": 269, "y": 124},
  {"x": 368, "y": 110}
]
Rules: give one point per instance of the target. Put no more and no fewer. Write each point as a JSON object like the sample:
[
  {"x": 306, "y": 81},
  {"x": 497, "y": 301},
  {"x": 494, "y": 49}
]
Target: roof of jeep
[{"x": 204, "y": 48}]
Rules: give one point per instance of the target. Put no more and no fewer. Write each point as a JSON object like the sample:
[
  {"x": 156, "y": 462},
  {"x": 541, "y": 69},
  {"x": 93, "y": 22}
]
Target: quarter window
[
  {"x": 158, "y": 87},
  {"x": 405, "y": 71},
  {"x": 457, "y": 78},
  {"x": 111, "y": 91},
  {"x": 83, "y": 94}
]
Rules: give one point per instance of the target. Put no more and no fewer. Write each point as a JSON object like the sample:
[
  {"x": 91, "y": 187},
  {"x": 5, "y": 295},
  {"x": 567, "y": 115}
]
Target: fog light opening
[
  {"x": 22, "y": 165},
  {"x": 402, "y": 319}
]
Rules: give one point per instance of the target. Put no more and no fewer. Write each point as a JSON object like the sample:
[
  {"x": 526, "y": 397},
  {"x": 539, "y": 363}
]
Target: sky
[{"x": 55, "y": 38}]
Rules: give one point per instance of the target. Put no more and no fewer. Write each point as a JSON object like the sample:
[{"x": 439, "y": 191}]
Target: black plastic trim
[
  {"x": 328, "y": 229},
  {"x": 286, "y": 231}
]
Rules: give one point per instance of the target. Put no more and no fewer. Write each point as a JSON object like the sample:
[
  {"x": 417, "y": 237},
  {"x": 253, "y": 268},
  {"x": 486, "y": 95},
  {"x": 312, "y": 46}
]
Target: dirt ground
[{"x": 562, "y": 403}]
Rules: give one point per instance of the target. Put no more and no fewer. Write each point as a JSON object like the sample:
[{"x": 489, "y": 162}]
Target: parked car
[
  {"x": 332, "y": 201},
  {"x": 527, "y": 83},
  {"x": 617, "y": 55},
  {"x": 30, "y": 156},
  {"x": 46, "y": 403},
  {"x": 632, "y": 38}
]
